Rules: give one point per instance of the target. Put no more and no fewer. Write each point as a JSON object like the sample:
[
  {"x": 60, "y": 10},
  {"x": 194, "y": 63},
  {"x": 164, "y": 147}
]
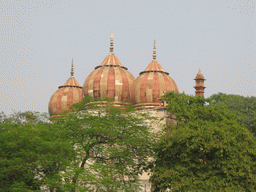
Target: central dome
[
  {"x": 111, "y": 60},
  {"x": 109, "y": 79}
]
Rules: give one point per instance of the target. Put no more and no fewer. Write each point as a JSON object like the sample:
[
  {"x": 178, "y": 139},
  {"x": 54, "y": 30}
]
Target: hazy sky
[{"x": 40, "y": 38}]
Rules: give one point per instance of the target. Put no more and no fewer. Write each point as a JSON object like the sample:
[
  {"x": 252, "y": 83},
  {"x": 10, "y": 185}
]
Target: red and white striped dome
[
  {"x": 109, "y": 79},
  {"x": 65, "y": 96},
  {"x": 150, "y": 86}
]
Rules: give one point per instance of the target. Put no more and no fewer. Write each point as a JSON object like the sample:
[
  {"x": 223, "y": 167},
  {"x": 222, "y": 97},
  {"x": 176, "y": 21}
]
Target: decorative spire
[
  {"x": 72, "y": 68},
  {"x": 111, "y": 43},
  {"x": 154, "y": 51}
]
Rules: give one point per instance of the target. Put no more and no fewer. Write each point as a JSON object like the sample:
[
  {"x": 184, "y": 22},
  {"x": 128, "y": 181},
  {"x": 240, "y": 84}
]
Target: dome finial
[
  {"x": 199, "y": 73},
  {"x": 111, "y": 43},
  {"x": 72, "y": 68},
  {"x": 154, "y": 51}
]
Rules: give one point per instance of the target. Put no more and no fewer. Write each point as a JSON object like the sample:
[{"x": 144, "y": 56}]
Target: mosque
[{"x": 112, "y": 79}]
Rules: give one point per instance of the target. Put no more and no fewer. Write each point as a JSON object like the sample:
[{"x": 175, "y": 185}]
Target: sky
[{"x": 39, "y": 38}]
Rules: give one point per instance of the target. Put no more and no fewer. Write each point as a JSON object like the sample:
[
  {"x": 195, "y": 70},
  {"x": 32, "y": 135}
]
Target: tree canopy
[
  {"x": 207, "y": 150},
  {"x": 97, "y": 146},
  {"x": 244, "y": 107},
  {"x": 113, "y": 145},
  {"x": 32, "y": 154}
]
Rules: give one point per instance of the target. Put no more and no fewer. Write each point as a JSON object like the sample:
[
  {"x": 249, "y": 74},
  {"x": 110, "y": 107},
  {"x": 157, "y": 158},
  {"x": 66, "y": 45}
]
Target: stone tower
[{"x": 199, "y": 84}]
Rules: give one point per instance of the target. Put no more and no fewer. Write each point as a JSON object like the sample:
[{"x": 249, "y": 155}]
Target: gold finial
[
  {"x": 111, "y": 43},
  {"x": 154, "y": 51},
  {"x": 72, "y": 68}
]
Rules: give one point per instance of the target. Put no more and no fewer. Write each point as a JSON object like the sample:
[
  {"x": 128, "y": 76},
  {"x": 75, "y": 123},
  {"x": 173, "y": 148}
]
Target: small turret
[{"x": 199, "y": 84}]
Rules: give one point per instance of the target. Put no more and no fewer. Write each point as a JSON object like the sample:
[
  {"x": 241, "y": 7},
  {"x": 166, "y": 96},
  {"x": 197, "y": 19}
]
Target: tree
[
  {"x": 23, "y": 117},
  {"x": 244, "y": 107},
  {"x": 32, "y": 153},
  {"x": 112, "y": 145},
  {"x": 207, "y": 150},
  {"x": 97, "y": 146}
]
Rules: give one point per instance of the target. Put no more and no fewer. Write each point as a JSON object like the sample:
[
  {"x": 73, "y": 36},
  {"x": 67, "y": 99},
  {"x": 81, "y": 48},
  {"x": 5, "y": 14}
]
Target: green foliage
[
  {"x": 113, "y": 145},
  {"x": 32, "y": 154},
  {"x": 24, "y": 117},
  {"x": 207, "y": 150},
  {"x": 244, "y": 107},
  {"x": 97, "y": 146}
]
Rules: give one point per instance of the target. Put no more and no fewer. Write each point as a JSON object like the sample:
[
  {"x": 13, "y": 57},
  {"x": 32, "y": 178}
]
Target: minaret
[
  {"x": 111, "y": 44},
  {"x": 199, "y": 84}
]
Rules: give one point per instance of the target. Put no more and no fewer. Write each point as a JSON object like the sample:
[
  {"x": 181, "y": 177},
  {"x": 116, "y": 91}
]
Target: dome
[
  {"x": 150, "y": 86},
  {"x": 111, "y": 60},
  {"x": 65, "y": 96},
  {"x": 199, "y": 75},
  {"x": 109, "y": 79}
]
